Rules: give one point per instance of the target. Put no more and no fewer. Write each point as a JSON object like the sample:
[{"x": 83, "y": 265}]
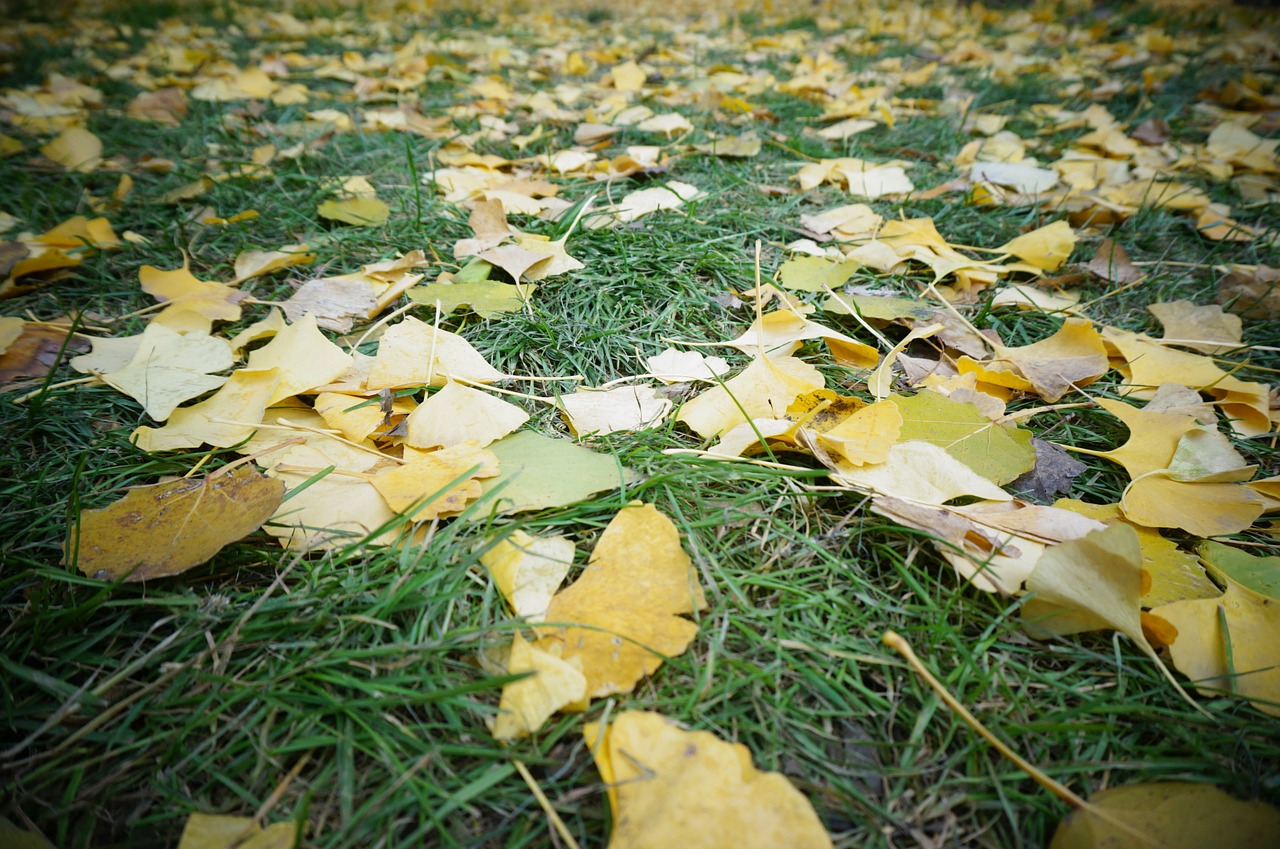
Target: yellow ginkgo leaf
[
  {"x": 75, "y": 148},
  {"x": 359, "y": 211},
  {"x": 167, "y": 528},
  {"x": 335, "y": 508},
  {"x": 227, "y": 417},
  {"x": 672, "y": 787},
  {"x": 1229, "y": 644},
  {"x": 866, "y": 436},
  {"x": 354, "y": 416},
  {"x": 1157, "y": 500},
  {"x": 184, "y": 292},
  {"x": 764, "y": 389},
  {"x": 216, "y": 831},
  {"x": 921, "y": 472},
  {"x": 1073, "y": 357},
  {"x": 779, "y": 331},
  {"x": 413, "y": 353},
  {"x": 626, "y": 610},
  {"x": 1207, "y": 329},
  {"x": 1046, "y": 247},
  {"x": 256, "y": 263},
  {"x": 528, "y": 570},
  {"x": 438, "y": 483},
  {"x": 1175, "y": 574},
  {"x": 553, "y": 684},
  {"x": 169, "y": 368},
  {"x": 623, "y": 408},
  {"x": 458, "y": 414},
  {"x": 303, "y": 356},
  {"x": 1153, "y": 437}
]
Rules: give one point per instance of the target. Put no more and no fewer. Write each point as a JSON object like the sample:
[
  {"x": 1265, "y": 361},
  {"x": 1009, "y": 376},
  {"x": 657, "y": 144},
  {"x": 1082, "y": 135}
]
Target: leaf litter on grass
[{"x": 909, "y": 402}]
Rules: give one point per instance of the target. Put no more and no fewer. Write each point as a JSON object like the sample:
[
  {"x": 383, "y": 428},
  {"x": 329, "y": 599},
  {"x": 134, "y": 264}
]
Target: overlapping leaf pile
[{"x": 374, "y": 437}]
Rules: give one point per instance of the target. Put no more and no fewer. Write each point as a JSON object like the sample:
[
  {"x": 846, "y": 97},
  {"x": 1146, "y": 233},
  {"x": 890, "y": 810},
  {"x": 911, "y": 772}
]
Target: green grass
[{"x": 341, "y": 691}]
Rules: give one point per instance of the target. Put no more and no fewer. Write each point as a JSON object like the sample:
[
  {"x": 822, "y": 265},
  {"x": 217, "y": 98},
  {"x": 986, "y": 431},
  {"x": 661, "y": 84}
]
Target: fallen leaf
[
  {"x": 215, "y": 831},
  {"x": 764, "y": 389},
  {"x": 1111, "y": 262},
  {"x": 1052, "y": 475},
  {"x": 227, "y": 417},
  {"x": 1206, "y": 329},
  {"x": 458, "y": 414},
  {"x": 169, "y": 368},
  {"x": 34, "y": 352},
  {"x": 553, "y": 684},
  {"x": 440, "y": 483},
  {"x": 1172, "y": 815},
  {"x": 1158, "y": 500},
  {"x": 76, "y": 149},
  {"x": 1046, "y": 247},
  {"x": 672, "y": 366},
  {"x": 335, "y": 302},
  {"x": 1229, "y": 644},
  {"x": 998, "y": 452},
  {"x": 303, "y": 358},
  {"x": 165, "y": 529},
  {"x": 623, "y": 408},
  {"x": 672, "y": 787},
  {"x": 1175, "y": 575},
  {"x": 645, "y": 201},
  {"x": 359, "y": 211},
  {"x": 536, "y": 472},
  {"x": 329, "y": 504},
  {"x": 1071, "y": 358},
  {"x": 625, "y": 612},
  {"x": 922, "y": 472},
  {"x": 413, "y": 353},
  {"x": 528, "y": 571},
  {"x": 1258, "y": 574},
  {"x": 256, "y": 263},
  {"x": 185, "y": 293},
  {"x": 486, "y": 298}
]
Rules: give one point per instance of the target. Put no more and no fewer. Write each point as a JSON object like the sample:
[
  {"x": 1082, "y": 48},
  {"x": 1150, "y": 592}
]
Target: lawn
[{"x": 233, "y": 232}]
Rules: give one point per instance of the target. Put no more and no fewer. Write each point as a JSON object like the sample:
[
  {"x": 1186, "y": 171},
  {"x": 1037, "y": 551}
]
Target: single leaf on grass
[
  {"x": 555, "y": 259},
  {"x": 779, "y": 331},
  {"x": 536, "y": 472},
  {"x": 1259, "y": 574},
  {"x": 553, "y": 684},
  {"x": 623, "y": 408},
  {"x": 528, "y": 571},
  {"x": 169, "y": 368},
  {"x": 184, "y": 292},
  {"x": 359, "y": 211},
  {"x": 1228, "y": 644},
  {"x": 671, "y": 787},
  {"x": 1046, "y": 247},
  {"x": 486, "y": 298},
  {"x": 1174, "y": 815},
  {"x": 227, "y": 417},
  {"x": 1111, "y": 262},
  {"x": 34, "y": 352},
  {"x": 865, "y": 436},
  {"x": 625, "y": 612},
  {"x": 1153, "y": 437},
  {"x": 76, "y": 149},
  {"x": 998, "y": 452},
  {"x": 335, "y": 509},
  {"x": 642, "y": 202},
  {"x": 815, "y": 273},
  {"x": 672, "y": 366},
  {"x": 1175, "y": 574},
  {"x": 165, "y": 529},
  {"x": 216, "y": 831},
  {"x": 458, "y": 414},
  {"x": 336, "y": 302},
  {"x": 256, "y": 263},
  {"x": 764, "y": 389}
]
